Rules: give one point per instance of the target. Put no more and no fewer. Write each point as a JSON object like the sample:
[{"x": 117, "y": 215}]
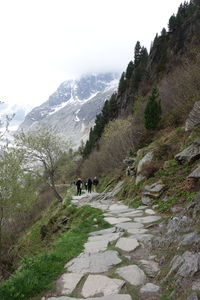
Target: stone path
[{"x": 113, "y": 259}]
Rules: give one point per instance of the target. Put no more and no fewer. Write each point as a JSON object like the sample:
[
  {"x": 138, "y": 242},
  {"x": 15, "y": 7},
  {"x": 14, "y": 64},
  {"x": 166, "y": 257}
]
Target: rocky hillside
[{"x": 72, "y": 109}]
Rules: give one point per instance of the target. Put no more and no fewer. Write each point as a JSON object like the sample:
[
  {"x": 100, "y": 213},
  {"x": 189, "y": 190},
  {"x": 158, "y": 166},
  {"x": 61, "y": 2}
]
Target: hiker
[
  {"x": 89, "y": 184},
  {"x": 79, "y": 186},
  {"x": 95, "y": 183},
  {"x": 86, "y": 185}
]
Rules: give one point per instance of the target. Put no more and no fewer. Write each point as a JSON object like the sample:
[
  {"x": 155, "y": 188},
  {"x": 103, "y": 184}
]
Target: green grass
[{"x": 37, "y": 273}]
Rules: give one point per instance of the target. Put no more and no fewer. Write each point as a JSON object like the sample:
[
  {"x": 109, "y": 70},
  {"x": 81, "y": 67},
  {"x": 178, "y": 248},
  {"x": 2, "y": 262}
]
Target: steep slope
[{"x": 72, "y": 109}]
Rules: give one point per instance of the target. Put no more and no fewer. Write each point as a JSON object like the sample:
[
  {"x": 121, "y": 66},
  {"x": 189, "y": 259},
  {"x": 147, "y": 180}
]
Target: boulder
[
  {"x": 193, "y": 118},
  {"x": 148, "y": 158},
  {"x": 190, "y": 154}
]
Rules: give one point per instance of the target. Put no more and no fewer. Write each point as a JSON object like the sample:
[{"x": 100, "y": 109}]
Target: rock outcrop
[
  {"x": 193, "y": 118},
  {"x": 190, "y": 154}
]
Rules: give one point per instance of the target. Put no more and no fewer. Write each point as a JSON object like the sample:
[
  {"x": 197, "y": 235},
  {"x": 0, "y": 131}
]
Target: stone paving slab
[
  {"x": 101, "y": 284},
  {"x": 142, "y": 207},
  {"x": 131, "y": 214},
  {"x": 149, "y": 211},
  {"x": 129, "y": 225},
  {"x": 142, "y": 237},
  {"x": 106, "y": 237},
  {"x": 102, "y": 232},
  {"x": 110, "y": 297},
  {"x": 95, "y": 246},
  {"x": 93, "y": 263},
  {"x": 127, "y": 244},
  {"x": 67, "y": 283},
  {"x": 148, "y": 219},
  {"x": 137, "y": 231},
  {"x": 118, "y": 207},
  {"x": 133, "y": 274},
  {"x": 113, "y": 221}
]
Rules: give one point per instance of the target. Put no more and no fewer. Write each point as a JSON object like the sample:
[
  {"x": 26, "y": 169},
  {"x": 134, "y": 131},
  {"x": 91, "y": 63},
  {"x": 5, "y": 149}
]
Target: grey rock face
[
  {"x": 195, "y": 173},
  {"x": 72, "y": 109},
  {"x": 190, "y": 239},
  {"x": 193, "y": 297},
  {"x": 190, "y": 154},
  {"x": 196, "y": 285},
  {"x": 194, "y": 117},
  {"x": 186, "y": 265},
  {"x": 179, "y": 224},
  {"x": 93, "y": 263}
]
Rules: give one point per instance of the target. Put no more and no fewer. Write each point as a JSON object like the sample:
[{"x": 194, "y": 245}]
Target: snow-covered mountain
[{"x": 72, "y": 109}]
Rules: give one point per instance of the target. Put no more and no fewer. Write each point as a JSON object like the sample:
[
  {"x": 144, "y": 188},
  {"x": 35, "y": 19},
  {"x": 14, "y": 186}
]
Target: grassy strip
[{"x": 37, "y": 273}]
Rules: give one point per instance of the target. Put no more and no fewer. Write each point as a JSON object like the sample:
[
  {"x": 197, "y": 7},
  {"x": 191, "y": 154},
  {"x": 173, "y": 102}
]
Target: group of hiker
[{"x": 87, "y": 184}]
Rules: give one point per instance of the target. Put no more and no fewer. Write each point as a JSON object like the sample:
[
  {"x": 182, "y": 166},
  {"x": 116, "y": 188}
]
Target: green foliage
[
  {"x": 122, "y": 84},
  {"x": 109, "y": 112},
  {"x": 37, "y": 273},
  {"x": 152, "y": 114}
]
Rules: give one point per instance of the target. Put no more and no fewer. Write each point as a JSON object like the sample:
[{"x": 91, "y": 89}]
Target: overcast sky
[{"x": 44, "y": 42}]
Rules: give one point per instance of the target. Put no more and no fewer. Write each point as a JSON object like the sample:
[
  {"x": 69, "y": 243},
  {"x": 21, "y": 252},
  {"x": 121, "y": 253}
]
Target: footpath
[{"x": 116, "y": 263}]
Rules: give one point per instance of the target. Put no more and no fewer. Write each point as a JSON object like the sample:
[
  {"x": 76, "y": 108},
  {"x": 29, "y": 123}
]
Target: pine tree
[
  {"x": 122, "y": 84},
  {"x": 129, "y": 70},
  {"x": 137, "y": 54},
  {"x": 152, "y": 113}
]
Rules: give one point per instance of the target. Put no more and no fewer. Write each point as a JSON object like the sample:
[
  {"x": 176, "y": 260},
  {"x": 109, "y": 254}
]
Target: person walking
[
  {"x": 89, "y": 185},
  {"x": 95, "y": 183},
  {"x": 86, "y": 185},
  {"x": 79, "y": 184}
]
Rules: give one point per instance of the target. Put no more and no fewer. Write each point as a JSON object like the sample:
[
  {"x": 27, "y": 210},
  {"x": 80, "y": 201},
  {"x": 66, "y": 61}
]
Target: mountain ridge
[{"x": 72, "y": 108}]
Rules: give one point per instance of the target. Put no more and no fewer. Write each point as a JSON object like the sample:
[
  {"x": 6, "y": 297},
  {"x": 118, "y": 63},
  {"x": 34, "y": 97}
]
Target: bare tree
[{"x": 44, "y": 147}]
